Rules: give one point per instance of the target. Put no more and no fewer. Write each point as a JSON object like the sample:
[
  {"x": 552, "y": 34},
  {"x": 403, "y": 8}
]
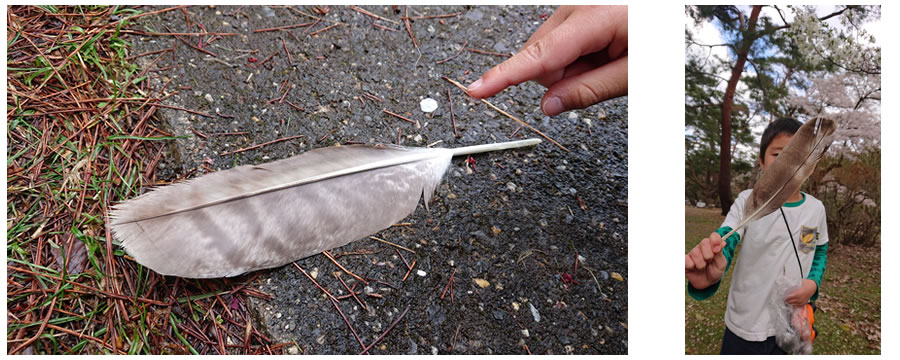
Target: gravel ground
[{"x": 510, "y": 225}]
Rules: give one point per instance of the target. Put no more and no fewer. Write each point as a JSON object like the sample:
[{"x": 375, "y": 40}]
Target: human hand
[
  {"x": 705, "y": 263},
  {"x": 801, "y": 296},
  {"x": 580, "y": 55}
]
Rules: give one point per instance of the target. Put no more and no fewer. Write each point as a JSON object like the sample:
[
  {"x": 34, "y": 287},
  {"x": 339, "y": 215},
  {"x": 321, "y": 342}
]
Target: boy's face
[{"x": 775, "y": 147}]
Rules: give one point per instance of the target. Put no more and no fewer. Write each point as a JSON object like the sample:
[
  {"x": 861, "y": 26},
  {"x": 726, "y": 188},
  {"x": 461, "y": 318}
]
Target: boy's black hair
[{"x": 780, "y": 126}]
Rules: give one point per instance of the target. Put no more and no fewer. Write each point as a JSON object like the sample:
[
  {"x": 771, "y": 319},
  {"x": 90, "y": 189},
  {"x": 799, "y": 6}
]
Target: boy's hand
[
  {"x": 801, "y": 296},
  {"x": 705, "y": 263},
  {"x": 580, "y": 54}
]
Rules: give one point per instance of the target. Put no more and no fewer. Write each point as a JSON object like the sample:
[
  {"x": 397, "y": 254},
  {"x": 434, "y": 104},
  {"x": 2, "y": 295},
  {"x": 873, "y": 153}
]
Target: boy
[{"x": 768, "y": 251}]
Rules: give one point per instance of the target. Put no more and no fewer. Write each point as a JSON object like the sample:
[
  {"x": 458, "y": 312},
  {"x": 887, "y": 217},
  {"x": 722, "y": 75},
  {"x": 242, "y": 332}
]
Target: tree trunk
[{"x": 727, "y": 102}]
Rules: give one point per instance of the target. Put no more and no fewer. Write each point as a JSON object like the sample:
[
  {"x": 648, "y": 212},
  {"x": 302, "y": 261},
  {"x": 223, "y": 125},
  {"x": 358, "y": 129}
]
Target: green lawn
[{"x": 849, "y": 316}]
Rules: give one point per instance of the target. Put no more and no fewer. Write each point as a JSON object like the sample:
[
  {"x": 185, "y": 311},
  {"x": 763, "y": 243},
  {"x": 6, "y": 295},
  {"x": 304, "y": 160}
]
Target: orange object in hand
[{"x": 809, "y": 313}]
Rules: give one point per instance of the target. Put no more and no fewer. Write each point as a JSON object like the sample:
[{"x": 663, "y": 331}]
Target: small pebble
[
  {"x": 511, "y": 186},
  {"x": 482, "y": 283},
  {"x": 616, "y": 276},
  {"x": 209, "y": 98},
  {"x": 604, "y": 275},
  {"x": 534, "y": 313},
  {"x": 421, "y": 273},
  {"x": 428, "y": 105}
]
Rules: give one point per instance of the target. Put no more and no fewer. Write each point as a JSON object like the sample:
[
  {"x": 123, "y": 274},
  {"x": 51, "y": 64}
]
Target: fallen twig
[
  {"x": 284, "y": 27},
  {"x": 487, "y": 52},
  {"x": 343, "y": 268},
  {"x": 409, "y": 270},
  {"x": 409, "y": 28},
  {"x": 452, "y": 116},
  {"x": 391, "y": 244},
  {"x": 335, "y": 303},
  {"x": 352, "y": 293},
  {"x": 449, "y": 283},
  {"x": 294, "y": 106},
  {"x": 366, "y": 349},
  {"x": 266, "y": 60},
  {"x": 384, "y": 27},
  {"x": 398, "y": 116},
  {"x": 454, "y": 56},
  {"x": 314, "y": 33},
  {"x": 314, "y": 282},
  {"x": 364, "y": 12},
  {"x": 260, "y": 145},
  {"x": 508, "y": 115},
  {"x": 290, "y": 59}
]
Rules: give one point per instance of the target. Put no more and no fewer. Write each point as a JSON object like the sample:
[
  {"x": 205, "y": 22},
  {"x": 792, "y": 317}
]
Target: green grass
[{"x": 849, "y": 316}]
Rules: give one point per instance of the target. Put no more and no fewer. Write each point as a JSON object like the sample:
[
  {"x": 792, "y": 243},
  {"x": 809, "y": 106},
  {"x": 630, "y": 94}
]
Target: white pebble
[
  {"x": 421, "y": 273},
  {"x": 428, "y": 105},
  {"x": 535, "y": 313}
]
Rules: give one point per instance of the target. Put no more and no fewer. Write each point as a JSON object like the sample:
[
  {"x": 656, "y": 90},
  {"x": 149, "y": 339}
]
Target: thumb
[
  {"x": 717, "y": 243},
  {"x": 718, "y": 246},
  {"x": 577, "y": 92}
]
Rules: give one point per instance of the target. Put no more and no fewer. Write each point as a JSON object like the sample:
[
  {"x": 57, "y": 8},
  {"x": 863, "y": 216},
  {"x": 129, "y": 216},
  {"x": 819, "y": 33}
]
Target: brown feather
[{"x": 790, "y": 169}]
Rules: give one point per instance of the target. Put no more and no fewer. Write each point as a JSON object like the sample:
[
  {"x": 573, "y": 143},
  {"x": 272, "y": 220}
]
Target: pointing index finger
[{"x": 557, "y": 49}]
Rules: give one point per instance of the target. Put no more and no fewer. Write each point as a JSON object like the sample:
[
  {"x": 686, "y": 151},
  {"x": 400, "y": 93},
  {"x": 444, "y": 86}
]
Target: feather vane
[
  {"x": 260, "y": 216},
  {"x": 784, "y": 177}
]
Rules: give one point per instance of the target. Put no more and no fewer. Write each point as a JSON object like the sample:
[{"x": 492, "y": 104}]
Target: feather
[
  {"x": 794, "y": 164},
  {"x": 255, "y": 217}
]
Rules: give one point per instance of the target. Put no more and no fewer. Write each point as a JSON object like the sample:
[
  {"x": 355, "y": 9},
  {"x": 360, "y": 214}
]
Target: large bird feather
[
  {"x": 260, "y": 216},
  {"x": 784, "y": 177}
]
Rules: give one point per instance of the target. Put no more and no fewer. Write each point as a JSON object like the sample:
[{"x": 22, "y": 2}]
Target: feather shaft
[{"x": 476, "y": 149}]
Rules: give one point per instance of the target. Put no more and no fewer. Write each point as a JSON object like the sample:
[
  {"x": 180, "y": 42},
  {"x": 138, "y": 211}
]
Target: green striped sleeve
[
  {"x": 817, "y": 271},
  {"x": 731, "y": 244}
]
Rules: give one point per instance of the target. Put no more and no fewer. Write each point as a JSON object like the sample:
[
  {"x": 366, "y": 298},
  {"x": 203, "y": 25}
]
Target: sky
[{"x": 708, "y": 33}]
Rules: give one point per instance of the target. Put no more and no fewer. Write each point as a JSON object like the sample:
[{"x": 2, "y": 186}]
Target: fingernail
[
  {"x": 553, "y": 106},
  {"x": 475, "y": 85}
]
